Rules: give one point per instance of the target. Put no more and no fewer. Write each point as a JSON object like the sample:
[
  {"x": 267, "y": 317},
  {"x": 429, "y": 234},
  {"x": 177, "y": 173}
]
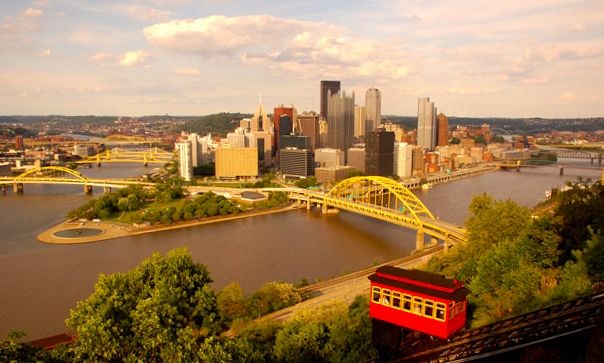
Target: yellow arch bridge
[
  {"x": 65, "y": 176},
  {"x": 386, "y": 200},
  {"x": 117, "y": 155}
]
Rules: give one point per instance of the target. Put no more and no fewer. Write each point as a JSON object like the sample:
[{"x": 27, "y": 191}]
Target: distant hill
[
  {"x": 218, "y": 123},
  {"x": 514, "y": 125}
]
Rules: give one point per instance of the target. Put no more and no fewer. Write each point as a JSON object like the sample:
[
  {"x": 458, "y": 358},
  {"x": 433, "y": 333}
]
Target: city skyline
[{"x": 179, "y": 57}]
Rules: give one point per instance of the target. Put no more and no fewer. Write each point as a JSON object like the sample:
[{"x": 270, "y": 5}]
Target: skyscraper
[
  {"x": 184, "y": 159},
  {"x": 443, "y": 130},
  {"x": 373, "y": 106},
  {"x": 379, "y": 147},
  {"x": 360, "y": 119},
  {"x": 340, "y": 120},
  {"x": 283, "y": 119},
  {"x": 308, "y": 125},
  {"x": 426, "y": 123},
  {"x": 326, "y": 87}
]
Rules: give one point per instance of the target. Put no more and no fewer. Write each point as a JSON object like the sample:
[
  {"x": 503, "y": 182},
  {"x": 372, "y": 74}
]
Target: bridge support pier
[
  {"x": 561, "y": 171},
  {"x": 145, "y": 164},
  {"x": 308, "y": 205},
  {"x": 98, "y": 164},
  {"x": 106, "y": 189},
  {"x": 87, "y": 189},
  {"x": 419, "y": 240},
  {"x": 3, "y": 188},
  {"x": 324, "y": 209},
  {"x": 18, "y": 188}
]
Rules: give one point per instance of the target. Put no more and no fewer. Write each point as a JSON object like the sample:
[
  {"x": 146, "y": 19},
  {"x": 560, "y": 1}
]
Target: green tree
[
  {"x": 161, "y": 310},
  {"x": 594, "y": 256},
  {"x": 232, "y": 303},
  {"x": 454, "y": 141},
  {"x": 12, "y": 350},
  {"x": 331, "y": 333},
  {"x": 273, "y": 296}
]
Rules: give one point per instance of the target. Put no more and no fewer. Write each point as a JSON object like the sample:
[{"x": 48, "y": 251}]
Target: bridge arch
[
  {"x": 52, "y": 170},
  {"x": 358, "y": 189}
]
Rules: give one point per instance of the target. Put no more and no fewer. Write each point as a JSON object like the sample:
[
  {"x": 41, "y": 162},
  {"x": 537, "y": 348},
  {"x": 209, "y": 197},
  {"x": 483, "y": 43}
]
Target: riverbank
[{"x": 112, "y": 230}]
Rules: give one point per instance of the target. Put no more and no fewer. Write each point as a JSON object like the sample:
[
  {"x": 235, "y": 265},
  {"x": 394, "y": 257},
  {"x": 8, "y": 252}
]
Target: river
[{"x": 41, "y": 282}]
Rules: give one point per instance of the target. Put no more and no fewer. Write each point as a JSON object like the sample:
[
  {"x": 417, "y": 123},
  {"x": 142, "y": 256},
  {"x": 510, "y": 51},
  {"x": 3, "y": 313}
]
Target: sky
[{"x": 512, "y": 58}]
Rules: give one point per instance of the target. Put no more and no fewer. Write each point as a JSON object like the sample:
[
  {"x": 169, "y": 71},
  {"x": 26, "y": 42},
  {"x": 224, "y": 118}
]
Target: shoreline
[{"x": 114, "y": 230}]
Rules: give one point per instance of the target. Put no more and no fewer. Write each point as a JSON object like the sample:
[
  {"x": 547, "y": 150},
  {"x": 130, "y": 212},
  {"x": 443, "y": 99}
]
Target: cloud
[
  {"x": 187, "y": 71},
  {"x": 32, "y": 12},
  {"x": 142, "y": 12},
  {"x": 15, "y": 30},
  {"x": 567, "y": 97},
  {"x": 303, "y": 47},
  {"x": 128, "y": 59},
  {"x": 133, "y": 58},
  {"x": 45, "y": 53}
]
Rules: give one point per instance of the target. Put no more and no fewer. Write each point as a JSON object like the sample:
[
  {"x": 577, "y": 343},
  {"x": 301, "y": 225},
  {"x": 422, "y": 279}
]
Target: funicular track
[{"x": 546, "y": 324}]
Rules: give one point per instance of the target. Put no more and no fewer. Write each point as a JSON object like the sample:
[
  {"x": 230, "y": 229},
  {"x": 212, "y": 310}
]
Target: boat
[{"x": 426, "y": 186}]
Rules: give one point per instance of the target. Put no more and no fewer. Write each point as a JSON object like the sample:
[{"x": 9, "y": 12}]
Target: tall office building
[
  {"x": 360, "y": 120},
  {"x": 307, "y": 124},
  {"x": 326, "y": 88},
  {"x": 283, "y": 120},
  {"x": 296, "y": 162},
  {"x": 184, "y": 160},
  {"x": 379, "y": 148},
  {"x": 403, "y": 159},
  {"x": 426, "y": 123},
  {"x": 443, "y": 129},
  {"x": 262, "y": 130},
  {"x": 417, "y": 156},
  {"x": 373, "y": 106},
  {"x": 297, "y": 141},
  {"x": 340, "y": 120}
]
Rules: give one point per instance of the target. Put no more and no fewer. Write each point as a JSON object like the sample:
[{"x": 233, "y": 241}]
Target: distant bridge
[
  {"x": 116, "y": 155},
  {"x": 64, "y": 176},
  {"x": 387, "y": 200}
]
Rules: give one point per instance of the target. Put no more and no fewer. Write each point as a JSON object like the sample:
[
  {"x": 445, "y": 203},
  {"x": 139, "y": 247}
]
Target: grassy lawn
[{"x": 129, "y": 217}]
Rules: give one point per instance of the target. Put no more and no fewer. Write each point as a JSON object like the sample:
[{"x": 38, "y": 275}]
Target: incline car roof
[{"x": 456, "y": 293}]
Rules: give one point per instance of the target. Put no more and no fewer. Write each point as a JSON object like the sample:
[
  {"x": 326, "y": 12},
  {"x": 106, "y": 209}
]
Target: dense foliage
[
  {"x": 126, "y": 199},
  {"x": 159, "y": 311},
  {"x": 514, "y": 262}
]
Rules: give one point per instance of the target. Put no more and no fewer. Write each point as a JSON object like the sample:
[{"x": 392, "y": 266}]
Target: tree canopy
[{"x": 158, "y": 311}]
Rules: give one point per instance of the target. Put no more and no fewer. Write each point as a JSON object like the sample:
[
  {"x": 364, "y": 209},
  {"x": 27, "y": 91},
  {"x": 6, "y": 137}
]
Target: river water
[{"x": 40, "y": 282}]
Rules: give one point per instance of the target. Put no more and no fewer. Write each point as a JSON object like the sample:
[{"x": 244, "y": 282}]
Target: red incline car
[{"x": 418, "y": 300}]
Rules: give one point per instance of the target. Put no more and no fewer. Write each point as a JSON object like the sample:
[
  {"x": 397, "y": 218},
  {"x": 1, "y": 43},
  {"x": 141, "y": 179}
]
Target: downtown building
[
  {"x": 360, "y": 121},
  {"x": 373, "y": 108},
  {"x": 340, "y": 120},
  {"x": 296, "y": 163},
  {"x": 355, "y": 158},
  {"x": 284, "y": 119},
  {"x": 307, "y": 124},
  {"x": 443, "y": 130},
  {"x": 403, "y": 159},
  {"x": 185, "y": 165},
  {"x": 426, "y": 123},
  {"x": 236, "y": 162},
  {"x": 327, "y": 88},
  {"x": 379, "y": 148}
]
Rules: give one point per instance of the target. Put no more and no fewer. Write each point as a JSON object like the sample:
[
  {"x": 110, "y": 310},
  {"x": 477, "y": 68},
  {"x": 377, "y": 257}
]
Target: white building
[
  {"x": 185, "y": 166},
  {"x": 403, "y": 159},
  {"x": 329, "y": 158},
  {"x": 426, "y": 123}
]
